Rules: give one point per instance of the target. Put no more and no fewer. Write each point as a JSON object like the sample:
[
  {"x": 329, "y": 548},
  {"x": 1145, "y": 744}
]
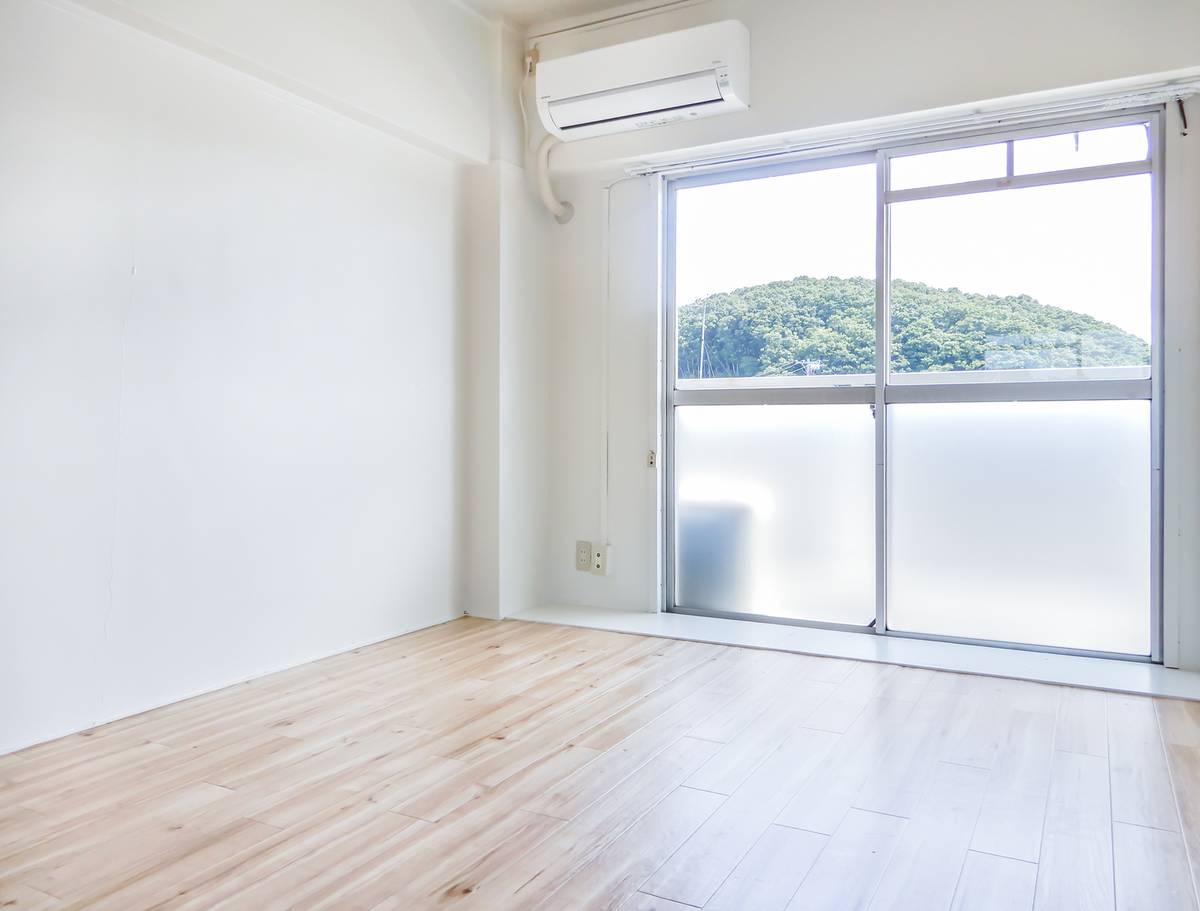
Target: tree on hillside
[{"x": 827, "y": 326}]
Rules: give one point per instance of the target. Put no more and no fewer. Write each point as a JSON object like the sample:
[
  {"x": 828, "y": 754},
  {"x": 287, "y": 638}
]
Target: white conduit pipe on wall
[
  {"x": 604, "y": 345},
  {"x": 562, "y": 211}
]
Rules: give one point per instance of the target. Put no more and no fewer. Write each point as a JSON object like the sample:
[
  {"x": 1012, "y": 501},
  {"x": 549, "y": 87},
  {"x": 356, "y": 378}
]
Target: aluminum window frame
[{"x": 880, "y": 391}]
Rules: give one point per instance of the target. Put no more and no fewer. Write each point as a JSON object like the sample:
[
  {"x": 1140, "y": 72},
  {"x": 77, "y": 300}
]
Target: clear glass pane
[
  {"x": 774, "y": 277},
  {"x": 932, "y": 169},
  {"x": 1048, "y": 282},
  {"x": 1022, "y": 522},
  {"x": 774, "y": 510},
  {"x": 1081, "y": 150}
]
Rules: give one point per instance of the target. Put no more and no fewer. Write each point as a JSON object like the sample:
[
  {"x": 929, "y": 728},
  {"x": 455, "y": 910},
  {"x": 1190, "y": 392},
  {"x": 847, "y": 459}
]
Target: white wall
[
  {"x": 420, "y": 69},
  {"x": 816, "y": 65},
  {"x": 230, "y": 364},
  {"x": 576, "y": 322},
  {"x": 1181, "y": 399}
]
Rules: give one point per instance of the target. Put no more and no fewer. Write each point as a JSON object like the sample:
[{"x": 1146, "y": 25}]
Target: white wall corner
[
  {"x": 417, "y": 70},
  {"x": 507, "y": 357}
]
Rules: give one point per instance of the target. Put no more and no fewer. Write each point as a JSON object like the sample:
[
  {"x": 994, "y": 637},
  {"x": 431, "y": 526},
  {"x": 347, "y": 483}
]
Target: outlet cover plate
[
  {"x": 600, "y": 559},
  {"x": 583, "y": 556}
]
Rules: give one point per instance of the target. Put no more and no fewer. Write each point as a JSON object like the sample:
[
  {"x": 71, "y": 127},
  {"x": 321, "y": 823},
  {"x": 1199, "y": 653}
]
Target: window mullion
[{"x": 883, "y": 341}]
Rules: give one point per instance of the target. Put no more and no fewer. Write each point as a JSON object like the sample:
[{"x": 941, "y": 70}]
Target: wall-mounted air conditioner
[{"x": 697, "y": 72}]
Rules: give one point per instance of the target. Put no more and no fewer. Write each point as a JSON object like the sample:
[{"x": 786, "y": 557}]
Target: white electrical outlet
[
  {"x": 600, "y": 555},
  {"x": 583, "y": 556}
]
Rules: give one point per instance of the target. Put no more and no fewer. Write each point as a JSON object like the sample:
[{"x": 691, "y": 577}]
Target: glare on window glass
[
  {"x": 774, "y": 277},
  {"x": 1049, "y": 282},
  {"x": 951, "y": 166},
  {"x": 1081, "y": 150}
]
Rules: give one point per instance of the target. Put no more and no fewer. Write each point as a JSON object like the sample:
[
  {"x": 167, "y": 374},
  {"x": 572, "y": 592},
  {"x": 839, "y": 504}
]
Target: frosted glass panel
[
  {"x": 1022, "y": 522},
  {"x": 774, "y": 510}
]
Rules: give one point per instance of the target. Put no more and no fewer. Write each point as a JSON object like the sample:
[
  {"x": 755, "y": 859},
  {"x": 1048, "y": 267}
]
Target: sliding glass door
[
  {"x": 774, "y": 506},
  {"x": 916, "y": 389}
]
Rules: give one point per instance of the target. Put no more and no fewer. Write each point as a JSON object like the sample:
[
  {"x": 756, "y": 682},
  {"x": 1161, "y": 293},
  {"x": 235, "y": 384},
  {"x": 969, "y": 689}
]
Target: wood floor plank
[
  {"x": 770, "y": 874},
  {"x": 695, "y": 872},
  {"x": 925, "y": 867},
  {"x": 42, "y": 860},
  {"x": 821, "y": 669},
  {"x": 368, "y": 865},
  {"x": 643, "y": 902},
  {"x": 17, "y": 897},
  {"x": 713, "y": 677},
  {"x": 904, "y": 772},
  {"x": 1179, "y": 721},
  {"x": 550, "y": 864},
  {"x": 1076, "y": 866},
  {"x": 20, "y": 825},
  {"x": 1082, "y": 724},
  {"x": 1184, "y": 763},
  {"x": 618, "y": 871},
  {"x": 849, "y": 868},
  {"x": 624, "y": 757},
  {"x": 503, "y": 766},
  {"x": 220, "y": 885},
  {"x": 991, "y": 883},
  {"x": 865, "y": 684},
  {"x": 979, "y": 733},
  {"x": 1014, "y": 808},
  {"x": 144, "y": 846},
  {"x": 429, "y": 868},
  {"x": 909, "y": 683},
  {"x": 824, "y": 798},
  {"x": 594, "y": 700},
  {"x": 143, "y": 888},
  {"x": 411, "y": 883},
  {"x": 1140, "y": 781},
  {"x": 741, "y": 755},
  {"x": 760, "y": 697},
  {"x": 1151, "y": 870},
  {"x": 80, "y": 776}
]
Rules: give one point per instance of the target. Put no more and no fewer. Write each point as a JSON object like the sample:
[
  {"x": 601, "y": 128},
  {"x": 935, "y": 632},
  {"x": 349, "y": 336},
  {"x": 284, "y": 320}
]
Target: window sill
[{"x": 1070, "y": 670}]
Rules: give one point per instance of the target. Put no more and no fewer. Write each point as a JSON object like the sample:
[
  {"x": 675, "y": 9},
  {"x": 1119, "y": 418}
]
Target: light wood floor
[{"x": 506, "y": 765}]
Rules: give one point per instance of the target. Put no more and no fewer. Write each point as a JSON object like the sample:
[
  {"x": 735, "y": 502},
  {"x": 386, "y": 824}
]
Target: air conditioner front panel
[
  {"x": 697, "y": 72},
  {"x": 636, "y": 100}
]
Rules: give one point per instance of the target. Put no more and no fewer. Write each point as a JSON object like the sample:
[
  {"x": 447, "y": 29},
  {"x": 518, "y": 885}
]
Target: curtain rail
[{"x": 929, "y": 129}]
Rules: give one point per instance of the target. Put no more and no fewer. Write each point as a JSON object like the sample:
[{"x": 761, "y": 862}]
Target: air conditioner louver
[{"x": 628, "y": 101}]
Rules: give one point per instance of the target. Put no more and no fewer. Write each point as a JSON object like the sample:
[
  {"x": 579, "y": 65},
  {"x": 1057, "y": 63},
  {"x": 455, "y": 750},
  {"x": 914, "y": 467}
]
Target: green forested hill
[{"x": 827, "y": 325}]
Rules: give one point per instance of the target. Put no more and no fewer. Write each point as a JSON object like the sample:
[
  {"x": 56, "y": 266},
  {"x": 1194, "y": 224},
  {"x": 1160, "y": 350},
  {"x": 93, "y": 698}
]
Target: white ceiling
[{"x": 526, "y": 11}]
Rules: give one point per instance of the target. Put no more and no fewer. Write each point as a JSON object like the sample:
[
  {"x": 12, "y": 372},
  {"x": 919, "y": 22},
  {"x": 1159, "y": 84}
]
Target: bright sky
[{"x": 1082, "y": 246}]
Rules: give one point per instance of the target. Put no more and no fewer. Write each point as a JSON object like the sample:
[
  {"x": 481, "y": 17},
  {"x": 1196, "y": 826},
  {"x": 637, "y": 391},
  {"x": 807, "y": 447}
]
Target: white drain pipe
[{"x": 562, "y": 211}]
